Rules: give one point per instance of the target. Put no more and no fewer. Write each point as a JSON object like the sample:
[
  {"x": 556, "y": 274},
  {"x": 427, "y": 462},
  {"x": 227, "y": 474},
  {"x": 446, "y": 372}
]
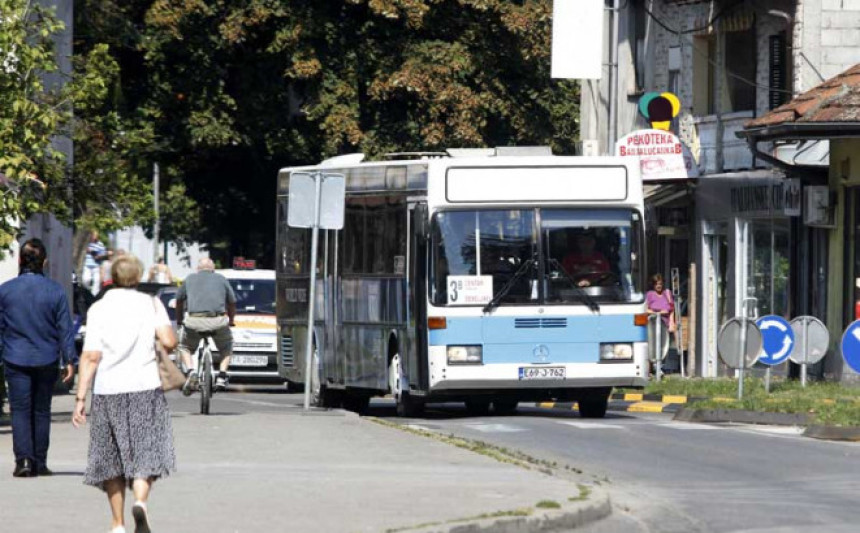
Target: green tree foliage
[
  {"x": 102, "y": 187},
  {"x": 30, "y": 113},
  {"x": 235, "y": 89}
]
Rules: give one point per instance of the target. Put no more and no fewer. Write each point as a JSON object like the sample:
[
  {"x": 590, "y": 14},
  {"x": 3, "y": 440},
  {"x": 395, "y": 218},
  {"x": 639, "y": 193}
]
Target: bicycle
[{"x": 205, "y": 371}]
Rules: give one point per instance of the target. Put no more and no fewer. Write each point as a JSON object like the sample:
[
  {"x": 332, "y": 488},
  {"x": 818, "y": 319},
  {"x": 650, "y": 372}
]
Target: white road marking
[
  {"x": 686, "y": 425},
  {"x": 776, "y": 431},
  {"x": 495, "y": 428},
  {"x": 590, "y": 425},
  {"x": 254, "y": 402}
]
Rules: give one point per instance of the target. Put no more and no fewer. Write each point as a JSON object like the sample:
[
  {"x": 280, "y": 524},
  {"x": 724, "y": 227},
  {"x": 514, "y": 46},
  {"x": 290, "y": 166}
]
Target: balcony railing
[{"x": 736, "y": 153}]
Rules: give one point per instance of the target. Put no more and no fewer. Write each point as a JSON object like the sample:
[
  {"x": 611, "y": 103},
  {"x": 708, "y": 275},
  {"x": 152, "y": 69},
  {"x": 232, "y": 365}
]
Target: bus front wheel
[
  {"x": 593, "y": 404},
  {"x": 478, "y": 406}
]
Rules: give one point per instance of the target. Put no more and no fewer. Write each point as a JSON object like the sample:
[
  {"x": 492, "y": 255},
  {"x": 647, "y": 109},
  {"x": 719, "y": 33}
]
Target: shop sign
[
  {"x": 779, "y": 196},
  {"x": 660, "y": 154}
]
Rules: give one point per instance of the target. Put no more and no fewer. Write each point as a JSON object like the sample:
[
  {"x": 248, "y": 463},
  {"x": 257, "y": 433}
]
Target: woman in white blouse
[{"x": 131, "y": 439}]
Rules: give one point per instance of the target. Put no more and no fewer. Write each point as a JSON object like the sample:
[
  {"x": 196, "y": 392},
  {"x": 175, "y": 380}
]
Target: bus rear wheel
[
  {"x": 405, "y": 404},
  {"x": 357, "y": 403},
  {"x": 321, "y": 396}
]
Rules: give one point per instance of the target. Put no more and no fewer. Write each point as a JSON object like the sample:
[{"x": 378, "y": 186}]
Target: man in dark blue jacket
[{"x": 35, "y": 334}]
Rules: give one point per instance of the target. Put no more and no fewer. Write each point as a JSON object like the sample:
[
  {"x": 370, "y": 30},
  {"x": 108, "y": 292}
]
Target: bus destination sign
[{"x": 470, "y": 290}]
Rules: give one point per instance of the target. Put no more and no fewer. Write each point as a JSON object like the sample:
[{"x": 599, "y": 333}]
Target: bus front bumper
[{"x": 446, "y": 377}]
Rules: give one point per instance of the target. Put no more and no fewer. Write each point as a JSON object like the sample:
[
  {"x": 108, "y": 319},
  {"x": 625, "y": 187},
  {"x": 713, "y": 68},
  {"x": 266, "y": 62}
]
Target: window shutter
[{"x": 778, "y": 71}]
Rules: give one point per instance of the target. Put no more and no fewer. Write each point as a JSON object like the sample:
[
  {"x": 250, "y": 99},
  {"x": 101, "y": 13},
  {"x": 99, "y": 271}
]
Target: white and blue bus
[{"x": 477, "y": 276}]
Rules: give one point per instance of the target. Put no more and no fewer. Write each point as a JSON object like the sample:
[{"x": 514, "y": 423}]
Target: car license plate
[
  {"x": 249, "y": 360},
  {"x": 542, "y": 372}
]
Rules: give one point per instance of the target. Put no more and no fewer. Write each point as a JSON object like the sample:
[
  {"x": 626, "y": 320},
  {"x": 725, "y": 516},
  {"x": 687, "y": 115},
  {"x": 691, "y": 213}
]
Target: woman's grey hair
[
  {"x": 205, "y": 263},
  {"x": 126, "y": 271}
]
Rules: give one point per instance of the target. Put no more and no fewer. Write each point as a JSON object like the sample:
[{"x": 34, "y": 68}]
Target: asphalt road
[{"x": 663, "y": 476}]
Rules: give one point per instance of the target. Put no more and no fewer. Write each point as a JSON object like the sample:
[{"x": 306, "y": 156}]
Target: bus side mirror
[{"x": 422, "y": 223}]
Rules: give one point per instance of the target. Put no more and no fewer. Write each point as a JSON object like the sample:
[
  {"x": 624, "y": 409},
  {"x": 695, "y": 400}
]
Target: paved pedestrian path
[{"x": 282, "y": 470}]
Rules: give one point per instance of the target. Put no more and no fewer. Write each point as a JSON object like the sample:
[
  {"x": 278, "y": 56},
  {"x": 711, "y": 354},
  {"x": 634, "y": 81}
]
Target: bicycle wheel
[{"x": 205, "y": 382}]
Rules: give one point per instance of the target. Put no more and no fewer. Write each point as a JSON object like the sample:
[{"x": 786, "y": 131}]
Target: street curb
[
  {"x": 851, "y": 434},
  {"x": 646, "y": 406},
  {"x": 664, "y": 398},
  {"x": 690, "y": 414},
  {"x": 540, "y": 521}
]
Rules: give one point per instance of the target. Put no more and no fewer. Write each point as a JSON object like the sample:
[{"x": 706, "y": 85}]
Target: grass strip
[
  {"x": 499, "y": 453},
  {"x": 497, "y": 514},
  {"x": 826, "y": 403}
]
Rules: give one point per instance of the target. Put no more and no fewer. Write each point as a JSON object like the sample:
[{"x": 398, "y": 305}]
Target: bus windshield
[
  {"x": 538, "y": 256},
  {"x": 254, "y": 296}
]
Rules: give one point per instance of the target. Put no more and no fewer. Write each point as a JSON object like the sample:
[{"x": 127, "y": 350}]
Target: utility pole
[
  {"x": 155, "y": 226},
  {"x": 612, "y": 127}
]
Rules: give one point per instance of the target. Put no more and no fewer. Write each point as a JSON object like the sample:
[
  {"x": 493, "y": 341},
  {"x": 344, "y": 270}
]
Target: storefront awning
[{"x": 664, "y": 193}]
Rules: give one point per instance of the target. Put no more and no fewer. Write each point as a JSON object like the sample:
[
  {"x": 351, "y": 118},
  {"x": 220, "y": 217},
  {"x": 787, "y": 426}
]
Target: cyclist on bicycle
[{"x": 211, "y": 309}]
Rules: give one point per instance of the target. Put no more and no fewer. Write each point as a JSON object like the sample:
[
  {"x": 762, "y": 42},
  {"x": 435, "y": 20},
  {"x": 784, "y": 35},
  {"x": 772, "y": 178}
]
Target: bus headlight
[
  {"x": 616, "y": 351},
  {"x": 465, "y": 355}
]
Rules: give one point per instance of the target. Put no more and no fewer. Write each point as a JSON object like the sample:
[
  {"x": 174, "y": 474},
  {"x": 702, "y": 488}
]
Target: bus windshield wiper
[
  {"x": 584, "y": 296},
  {"x": 506, "y": 288}
]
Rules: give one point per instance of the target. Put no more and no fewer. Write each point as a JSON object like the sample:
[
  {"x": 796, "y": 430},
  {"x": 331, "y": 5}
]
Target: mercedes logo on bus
[{"x": 541, "y": 353}]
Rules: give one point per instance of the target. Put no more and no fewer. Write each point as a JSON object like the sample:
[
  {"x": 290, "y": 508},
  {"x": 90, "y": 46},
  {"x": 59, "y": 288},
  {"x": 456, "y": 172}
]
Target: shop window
[{"x": 769, "y": 266}]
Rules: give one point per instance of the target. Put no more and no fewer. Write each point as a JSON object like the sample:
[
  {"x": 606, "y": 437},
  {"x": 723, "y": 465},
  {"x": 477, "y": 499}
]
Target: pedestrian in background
[
  {"x": 36, "y": 333},
  {"x": 96, "y": 254},
  {"x": 160, "y": 272},
  {"x": 131, "y": 438}
]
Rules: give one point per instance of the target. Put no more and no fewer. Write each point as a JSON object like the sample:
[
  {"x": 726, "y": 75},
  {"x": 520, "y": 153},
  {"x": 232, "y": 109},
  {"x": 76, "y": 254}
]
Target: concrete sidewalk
[{"x": 283, "y": 470}]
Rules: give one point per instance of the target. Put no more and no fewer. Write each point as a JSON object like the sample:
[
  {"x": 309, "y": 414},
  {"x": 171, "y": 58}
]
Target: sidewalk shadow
[
  {"x": 67, "y": 474},
  {"x": 455, "y": 411}
]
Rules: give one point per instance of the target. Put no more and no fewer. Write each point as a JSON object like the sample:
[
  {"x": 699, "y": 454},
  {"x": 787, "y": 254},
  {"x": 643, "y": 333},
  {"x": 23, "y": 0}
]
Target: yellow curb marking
[
  {"x": 674, "y": 398},
  {"x": 633, "y": 397},
  {"x": 647, "y": 407},
  {"x": 723, "y": 399},
  {"x": 547, "y": 405}
]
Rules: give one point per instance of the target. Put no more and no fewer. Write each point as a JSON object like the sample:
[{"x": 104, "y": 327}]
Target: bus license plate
[
  {"x": 542, "y": 372},
  {"x": 249, "y": 360}
]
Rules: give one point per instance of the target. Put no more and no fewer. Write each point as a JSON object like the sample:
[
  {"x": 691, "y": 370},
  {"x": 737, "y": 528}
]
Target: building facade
[{"x": 734, "y": 229}]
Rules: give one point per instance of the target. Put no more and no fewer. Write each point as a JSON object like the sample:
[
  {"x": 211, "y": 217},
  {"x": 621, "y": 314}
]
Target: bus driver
[
  {"x": 211, "y": 307},
  {"x": 585, "y": 264}
]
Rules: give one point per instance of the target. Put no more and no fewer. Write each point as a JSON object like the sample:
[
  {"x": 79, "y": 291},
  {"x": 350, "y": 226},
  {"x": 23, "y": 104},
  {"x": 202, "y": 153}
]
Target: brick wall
[{"x": 829, "y": 40}]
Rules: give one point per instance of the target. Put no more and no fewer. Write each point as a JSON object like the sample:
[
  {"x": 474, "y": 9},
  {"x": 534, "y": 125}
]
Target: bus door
[
  {"x": 417, "y": 358},
  {"x": 331, "y": 312}
]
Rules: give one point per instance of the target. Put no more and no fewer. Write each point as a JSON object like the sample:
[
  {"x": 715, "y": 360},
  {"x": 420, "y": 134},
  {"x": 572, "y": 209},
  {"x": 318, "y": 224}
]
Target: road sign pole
[
  {"x": 315, "y": 229},
  {"x": 767, "y": 381},
  {"x": 805, "y": 352},
  {"x": 742, "y": 339},
  {"x": 658, "y": 349}
]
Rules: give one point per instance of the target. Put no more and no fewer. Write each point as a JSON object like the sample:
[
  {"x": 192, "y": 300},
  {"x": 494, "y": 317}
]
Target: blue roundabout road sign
[
  {"x": 777, "y": 339},
  {"x": 851, "y": 346}
]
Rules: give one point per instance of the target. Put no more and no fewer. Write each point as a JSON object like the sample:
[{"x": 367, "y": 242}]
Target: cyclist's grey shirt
[{"x": 206, "y": 292}]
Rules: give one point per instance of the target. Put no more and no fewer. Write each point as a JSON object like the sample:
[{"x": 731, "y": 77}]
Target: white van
[{"x": 255, "y": 349}]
